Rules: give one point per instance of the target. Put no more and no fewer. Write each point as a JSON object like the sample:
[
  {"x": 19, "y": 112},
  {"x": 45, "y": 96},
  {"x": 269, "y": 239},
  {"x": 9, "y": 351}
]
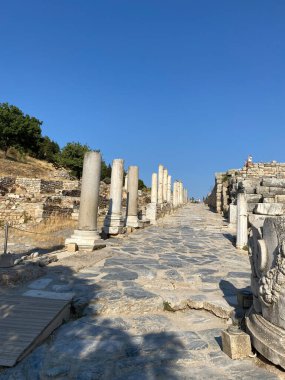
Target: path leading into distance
[{"x": 153, "y": 310}]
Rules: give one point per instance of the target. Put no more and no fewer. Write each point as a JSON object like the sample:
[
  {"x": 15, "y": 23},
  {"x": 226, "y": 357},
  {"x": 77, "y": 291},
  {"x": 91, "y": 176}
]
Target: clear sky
[{"x": 194, "y": 85}]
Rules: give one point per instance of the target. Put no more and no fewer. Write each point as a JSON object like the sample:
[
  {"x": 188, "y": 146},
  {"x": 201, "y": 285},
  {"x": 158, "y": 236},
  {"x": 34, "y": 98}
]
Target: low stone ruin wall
[
  {"x": 24, "y": 200},
  {"x": 262, "y": 183},
  {"x": 30, "y": 200}
]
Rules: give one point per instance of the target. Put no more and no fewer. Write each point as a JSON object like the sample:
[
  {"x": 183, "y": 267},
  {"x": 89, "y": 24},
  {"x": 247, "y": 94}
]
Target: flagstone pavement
[{"x": 154, "y": 309}]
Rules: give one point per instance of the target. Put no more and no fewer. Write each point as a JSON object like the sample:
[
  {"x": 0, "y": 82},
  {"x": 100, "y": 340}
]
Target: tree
[
  {"x": 48, "y": 150},
  {"x": 106, "y": 171},
  {"x": 72, "y": 156},
  {"x": 18, "y": 130},
  {"x": 141, "y": 184}
]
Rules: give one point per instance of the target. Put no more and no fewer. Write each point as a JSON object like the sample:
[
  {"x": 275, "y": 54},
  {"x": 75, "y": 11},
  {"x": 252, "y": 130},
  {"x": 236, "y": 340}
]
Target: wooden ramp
[{"x": 25, "y": 322}]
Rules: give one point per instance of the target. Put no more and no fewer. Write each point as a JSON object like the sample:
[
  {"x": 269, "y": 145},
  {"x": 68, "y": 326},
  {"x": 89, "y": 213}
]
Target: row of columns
[
  {"x": 162, "y": 197},
  {"x": 87, "y": 235}
]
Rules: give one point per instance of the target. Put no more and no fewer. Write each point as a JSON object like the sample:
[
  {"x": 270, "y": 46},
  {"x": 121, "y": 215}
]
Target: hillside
[{"x": 29, "y": 167}]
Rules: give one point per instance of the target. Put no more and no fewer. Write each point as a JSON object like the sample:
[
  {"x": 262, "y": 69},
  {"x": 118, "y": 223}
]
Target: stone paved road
[{"x": 153, "y": 310}]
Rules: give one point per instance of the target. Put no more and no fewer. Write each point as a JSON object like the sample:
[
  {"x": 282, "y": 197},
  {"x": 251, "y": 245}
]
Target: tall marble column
[
  {"x": 180, "y": 191},
  {"x": 165, "y": 180},
  {"x": 86, "y": 236},
  {"x": 242, "y": 233},
  {"x": 151, "y": 209},
  {"x": 126, "y": 182},
  {"x": 160, "y": 185},
  {"x": 132, "y": 201},
  {"x": 175, "y": 194},
  {"x": 114, "y": 223},
  {"x": 168, "y": 189},
  {"x": 154, "y": 188}
]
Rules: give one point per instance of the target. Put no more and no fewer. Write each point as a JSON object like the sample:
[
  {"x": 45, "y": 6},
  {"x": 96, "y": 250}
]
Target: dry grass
[
  {"x": 52, "y": 231},
  {"x": 26, "y": 166}
]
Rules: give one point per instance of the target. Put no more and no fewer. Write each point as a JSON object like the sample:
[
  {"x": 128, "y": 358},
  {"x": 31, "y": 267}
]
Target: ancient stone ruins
[
  {"x": 162, "y": 201},
  {"x": 253, "y": 200},
  {"x": 158, "y": 287}
]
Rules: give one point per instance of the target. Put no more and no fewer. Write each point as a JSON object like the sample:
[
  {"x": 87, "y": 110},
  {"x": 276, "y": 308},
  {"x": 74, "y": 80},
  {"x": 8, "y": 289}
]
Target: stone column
[
  {"x": 168, "y": 189},
  {"x": 132, "y": 201},
  {"x": 180, "y": 192},
  {"x": 233, "y": 215},
  {"x": 126, "y": 182},
  {"x": 151, "y": 208},
  {"x": 175, "y": 194},
  {"x": 242, "y": 233},
  {"x": 87, "y": 236},
  {"x": 160, "y": 185},
  {"x": 114, "y": 223},
  {"x": 165, "y": 180},
  {"x": 154, "y": 188}
]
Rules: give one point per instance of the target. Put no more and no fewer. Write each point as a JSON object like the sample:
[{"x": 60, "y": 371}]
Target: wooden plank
[{"x": 25, "y": 322}]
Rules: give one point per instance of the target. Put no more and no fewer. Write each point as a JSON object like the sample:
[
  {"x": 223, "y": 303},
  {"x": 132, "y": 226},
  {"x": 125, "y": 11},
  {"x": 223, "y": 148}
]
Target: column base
[
  {"x": 132, "y": 221},
  {"x": 114, "y": 225},
  {"x": 151, "y": 212},
  {"x": 266, "y": 338},
  {"x": 86, "y": 240}
]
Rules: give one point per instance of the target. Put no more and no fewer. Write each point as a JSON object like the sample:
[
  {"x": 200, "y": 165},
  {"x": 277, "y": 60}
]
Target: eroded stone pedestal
[
  {"x": 267, "y": 338},
  {"x": 86, "y": 240},
  {"x": 265, "y": 321}
]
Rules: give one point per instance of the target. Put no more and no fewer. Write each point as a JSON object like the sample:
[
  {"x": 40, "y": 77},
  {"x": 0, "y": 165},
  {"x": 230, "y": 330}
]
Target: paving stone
[
  {"x": 121, "y": 276},
  {"x": 138, "y": 293},
  {"x": 124, "y": 331},
  {"x": 41, "y": 283}
]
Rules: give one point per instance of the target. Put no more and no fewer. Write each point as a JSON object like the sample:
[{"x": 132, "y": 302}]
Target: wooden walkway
[{"x": 25, "y": 322}]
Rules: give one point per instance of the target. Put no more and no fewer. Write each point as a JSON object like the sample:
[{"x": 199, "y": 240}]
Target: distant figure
[{"x": 249, "y": 162}]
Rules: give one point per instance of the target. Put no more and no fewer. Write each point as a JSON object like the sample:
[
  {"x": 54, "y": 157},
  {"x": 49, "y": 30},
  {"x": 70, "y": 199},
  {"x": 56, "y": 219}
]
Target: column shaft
[
  {"x": 132, "y": 206},
  {"x": 169, "y": 189},
  {"x": 160, "y": 185},
  {"x": 165, "y": 180},
  {"x": 90, "y": 186},
  {"x": 154, "y": 188},
  {"x": 113, "y": 223},
  {"x": 242, "y": 233}
]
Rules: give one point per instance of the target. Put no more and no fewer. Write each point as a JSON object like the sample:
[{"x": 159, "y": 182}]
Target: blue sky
[{"x": 194, "y": 85}]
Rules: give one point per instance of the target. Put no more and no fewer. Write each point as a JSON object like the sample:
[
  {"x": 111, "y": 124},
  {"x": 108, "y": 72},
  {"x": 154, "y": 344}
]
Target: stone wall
[
  {"x": 24, "y": 200},
  {"x": 262, "y": 183},
  {"x": 252, "y": 180}
]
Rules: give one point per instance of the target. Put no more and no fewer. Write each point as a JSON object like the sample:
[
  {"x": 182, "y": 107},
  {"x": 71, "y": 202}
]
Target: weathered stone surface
[
  {"x": 127, "y": 331},
  {"x": 236, "y": 343},
  {"x": 6, "y": 260},
  {"x": 273, "y": 182},
  {"x": 241, "y": 221},
  {"x": 265, "y": 323},
  {"x": 274, "y": 209},
  {"x": 72, "y": 247}
]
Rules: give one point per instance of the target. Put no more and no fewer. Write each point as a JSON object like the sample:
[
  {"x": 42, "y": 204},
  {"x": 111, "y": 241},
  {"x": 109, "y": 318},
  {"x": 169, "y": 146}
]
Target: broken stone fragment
[
  {"x": 236, "y": 343},
  {"x": 273, "y": 182},
  {"x": 274, "y": 209}
]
